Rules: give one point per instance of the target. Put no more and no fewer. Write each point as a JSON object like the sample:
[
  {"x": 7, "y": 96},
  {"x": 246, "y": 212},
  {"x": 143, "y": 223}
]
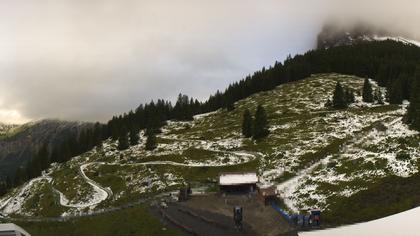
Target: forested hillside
[{"x": 392, "y": 64}]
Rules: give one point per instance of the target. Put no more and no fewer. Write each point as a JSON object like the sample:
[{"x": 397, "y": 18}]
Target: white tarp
[
  {"x": 12, "y": 227},
  {"x": 402, "y": 224},
  {"x": 238, "y": 179}
]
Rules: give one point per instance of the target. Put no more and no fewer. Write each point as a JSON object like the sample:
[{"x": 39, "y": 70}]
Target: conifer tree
[
  {"x": 97, "y": 134},
  {"x": 349, "y": 94},
  {"x": 44, "y": 157},
  {"x": 65, "y": 151},
  {"x": 260, "y": 128},
  {"x": 230, "y": 106},
  {"x": 3, "y": 187},
  {"x": 151, "y": 141},
  {"x": 19, "y": 177},
  {"x": 339, "y": 98},
  {"x": 367, "y": 92},
  {"x": 247, "y": 124},
  {"x": 9, "y": 183},
  {"x": 134, "y": 136},
  {"x": 395, "y": 90},
  {"x": 413, "y": 111},
  {"x": 123, "y": 140}
]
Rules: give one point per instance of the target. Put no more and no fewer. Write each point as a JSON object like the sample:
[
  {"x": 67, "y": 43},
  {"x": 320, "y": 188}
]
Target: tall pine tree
[
  {"x": 339, "y": 98},
  {"x": 260, "y": 128},
  {"x": 367, "y": 93},
  {"x": 413, "y": 111},
  {"x": 134, "y": 136},
  {"x": 349, "y": 95},
  {"x": 395, "y": 92},
  {"x": 151, "y": 141},
  {"x": 123, "y": 140},
  {"x": 247, "y": 124}
]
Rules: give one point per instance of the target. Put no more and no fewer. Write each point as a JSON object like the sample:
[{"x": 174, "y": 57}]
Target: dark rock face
[
  {"x": 333, "y": 35},
  {"x": 17, "y": 149}
]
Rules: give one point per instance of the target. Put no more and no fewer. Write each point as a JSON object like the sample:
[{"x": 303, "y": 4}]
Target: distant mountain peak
[{"x": 333, "y": 35}]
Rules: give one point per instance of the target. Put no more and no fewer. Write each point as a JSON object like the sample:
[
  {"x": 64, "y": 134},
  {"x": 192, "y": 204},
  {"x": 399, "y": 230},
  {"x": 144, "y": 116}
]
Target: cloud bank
[{"x": 89, "y": 60}]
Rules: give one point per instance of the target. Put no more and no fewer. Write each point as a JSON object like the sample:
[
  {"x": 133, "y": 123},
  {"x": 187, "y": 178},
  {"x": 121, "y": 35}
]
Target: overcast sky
[{"x": 90, "y": 59}]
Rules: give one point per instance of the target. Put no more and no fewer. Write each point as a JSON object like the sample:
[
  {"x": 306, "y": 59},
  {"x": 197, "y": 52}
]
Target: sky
[{"x": 91, "y": 59}]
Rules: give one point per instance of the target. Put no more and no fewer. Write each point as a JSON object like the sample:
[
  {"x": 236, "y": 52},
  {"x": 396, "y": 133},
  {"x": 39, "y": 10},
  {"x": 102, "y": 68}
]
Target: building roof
[
  {"x": 13, "y": 227},
  {"x": 238, "y": 179},
  {"x": 268, "y": 191}
]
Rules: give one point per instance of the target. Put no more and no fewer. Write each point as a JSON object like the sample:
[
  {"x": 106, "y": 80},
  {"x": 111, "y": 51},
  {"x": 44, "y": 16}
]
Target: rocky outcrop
[{"x": 333, "y": 35}]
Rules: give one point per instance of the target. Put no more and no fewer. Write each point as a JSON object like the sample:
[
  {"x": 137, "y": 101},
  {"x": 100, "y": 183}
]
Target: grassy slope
[
  {"x": 316, "y": 156},
  {"x": 132, "y": 221},
  {"x": 388, "y": 196}
]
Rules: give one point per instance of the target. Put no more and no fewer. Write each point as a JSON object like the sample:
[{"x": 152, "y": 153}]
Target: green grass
[
  {"x": 387, "y": 196},
  {"x": 68, "y": 181},
  {"x": 136, "y": 221},
  {"x": 46, "y": 204}
]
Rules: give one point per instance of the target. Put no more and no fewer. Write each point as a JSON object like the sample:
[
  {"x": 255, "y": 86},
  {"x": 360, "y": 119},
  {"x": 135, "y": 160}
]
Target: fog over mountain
[{"x": 88, "y": 60}]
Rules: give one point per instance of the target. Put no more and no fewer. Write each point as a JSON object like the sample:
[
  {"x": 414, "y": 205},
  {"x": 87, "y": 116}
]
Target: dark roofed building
[{"x": 267, "y": 194}]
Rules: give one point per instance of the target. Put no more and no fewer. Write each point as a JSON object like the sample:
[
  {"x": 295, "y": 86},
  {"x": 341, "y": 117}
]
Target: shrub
[{"x": 403, "y": 156}]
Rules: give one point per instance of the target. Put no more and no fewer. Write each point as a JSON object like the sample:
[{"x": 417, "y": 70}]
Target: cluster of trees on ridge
[
  {"x": 394, "y": 65},
  {"x": 343, "y": 97},
  {"x": 256, "y": 128}
]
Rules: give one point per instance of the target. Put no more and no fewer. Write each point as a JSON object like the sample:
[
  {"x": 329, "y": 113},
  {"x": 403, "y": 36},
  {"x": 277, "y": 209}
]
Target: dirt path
[
  {"x": 100, "y": 193},
  {"x": 14, "y": 203}
]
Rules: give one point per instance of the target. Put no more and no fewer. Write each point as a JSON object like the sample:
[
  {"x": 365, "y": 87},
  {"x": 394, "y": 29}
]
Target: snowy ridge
[{"x": 398, "y": 39}]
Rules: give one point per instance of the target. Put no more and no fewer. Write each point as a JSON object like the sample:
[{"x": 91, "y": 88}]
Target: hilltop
[
  {"x": 314, "y": 155},
  {"x": 334, "y": 35}
]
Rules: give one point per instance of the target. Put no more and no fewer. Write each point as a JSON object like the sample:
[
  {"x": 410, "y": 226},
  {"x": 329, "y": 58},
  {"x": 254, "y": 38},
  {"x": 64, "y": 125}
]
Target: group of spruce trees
[
  {"x": 256, "y": 127},
  {"x": 150, "y": 117},
  {"x": 342, "y": 97},
  {"x": 391, "y": 64},
  {"x": 133, "y": 137}
]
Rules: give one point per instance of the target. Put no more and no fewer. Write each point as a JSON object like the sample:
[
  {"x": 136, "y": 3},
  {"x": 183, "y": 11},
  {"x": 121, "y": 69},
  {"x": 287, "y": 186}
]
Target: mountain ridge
[
  {"x": 333, "y": 35},
  {"x": 18, "y": 148}
]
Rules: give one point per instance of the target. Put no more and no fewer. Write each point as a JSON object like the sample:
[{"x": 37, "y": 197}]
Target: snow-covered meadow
[{"x": 312, "y": 154}]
